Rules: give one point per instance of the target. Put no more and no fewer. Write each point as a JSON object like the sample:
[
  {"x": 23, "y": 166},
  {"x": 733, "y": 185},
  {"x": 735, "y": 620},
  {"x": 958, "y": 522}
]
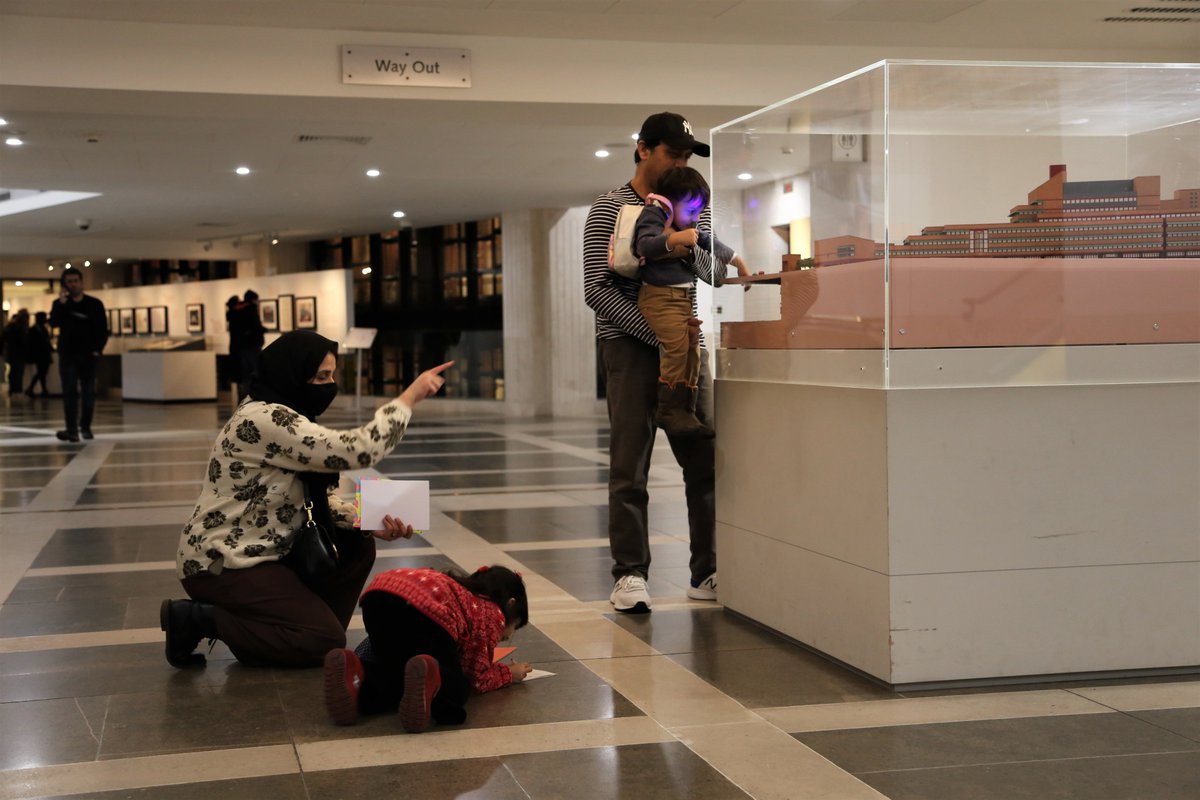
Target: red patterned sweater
[{"x": 474, "y": 622}]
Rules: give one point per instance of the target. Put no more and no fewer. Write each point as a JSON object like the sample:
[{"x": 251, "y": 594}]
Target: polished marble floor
[{"x": 688, "y": 702}]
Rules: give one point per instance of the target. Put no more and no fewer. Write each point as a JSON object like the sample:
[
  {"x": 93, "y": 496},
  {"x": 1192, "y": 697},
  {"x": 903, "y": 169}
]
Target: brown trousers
[
  {"x": 667, "y": 310},
  {"x": 269, "y": 618}
]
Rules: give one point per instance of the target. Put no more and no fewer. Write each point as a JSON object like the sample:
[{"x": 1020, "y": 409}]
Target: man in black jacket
[{"x": 82, "y": 333}]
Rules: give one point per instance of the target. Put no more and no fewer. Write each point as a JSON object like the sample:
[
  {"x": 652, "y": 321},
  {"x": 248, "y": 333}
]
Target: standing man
[
  {"x": 246, "y": 337},
  {"x": 82, "y": 333},
  {"x": 629, "y": 354}
]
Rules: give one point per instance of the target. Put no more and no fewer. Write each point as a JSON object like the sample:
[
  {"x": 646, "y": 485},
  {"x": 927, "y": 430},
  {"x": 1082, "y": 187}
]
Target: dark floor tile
[
  {"x": 518, "y": 479},
  {"x": 643, "y": 771},
  {"x": 275, "y": 787},
  {"x": 783, "y": 675},
  {"x": 17, "y": 498},
  {"x": 42, "y": 618},
  {"x": 38, "y": 733},
  {"x": 34, "y": 478},
  {"x": 148, "y": 473},
  {"x": 697, "y": 631},
  {"x": 133, "y": 495},
  {"x": 202, "y": 717},
  {"x": 482, "y": 778},
  {"x": 159, "y": 455},
  {"x": 545, "y": 459},
  {"x": 502, "y": 526},
  {"x": 113, "y": 545},
  {"x": 409, "y": 447},
  {"x": 1183, "y": 721},
  {"x": 586, "y": 572},
  {"x": 993, "y": 742},
  {"x": 1159, "y": 776}
]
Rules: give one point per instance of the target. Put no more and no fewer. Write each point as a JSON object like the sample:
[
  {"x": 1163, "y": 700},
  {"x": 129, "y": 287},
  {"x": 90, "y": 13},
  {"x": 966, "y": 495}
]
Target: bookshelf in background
[{"x": 434, "y": 294}]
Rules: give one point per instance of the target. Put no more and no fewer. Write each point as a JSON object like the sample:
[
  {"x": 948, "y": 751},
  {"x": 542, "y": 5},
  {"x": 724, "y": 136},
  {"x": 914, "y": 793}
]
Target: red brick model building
[{"x": 1063, "y": 219}]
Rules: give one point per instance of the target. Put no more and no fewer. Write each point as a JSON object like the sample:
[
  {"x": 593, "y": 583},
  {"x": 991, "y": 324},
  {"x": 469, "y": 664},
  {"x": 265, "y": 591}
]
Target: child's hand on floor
[{"x": 519, "y": 670}]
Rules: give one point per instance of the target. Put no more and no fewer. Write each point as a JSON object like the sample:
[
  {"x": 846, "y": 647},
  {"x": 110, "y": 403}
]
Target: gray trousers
[{"x": 631, "y": 373}]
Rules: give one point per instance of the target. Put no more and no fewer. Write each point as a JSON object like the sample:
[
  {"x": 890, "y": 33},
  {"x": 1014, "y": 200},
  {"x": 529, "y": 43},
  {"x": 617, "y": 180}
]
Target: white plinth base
[
  {"x": 945, "y": 534},
  {"x": 169, "y": 377}
]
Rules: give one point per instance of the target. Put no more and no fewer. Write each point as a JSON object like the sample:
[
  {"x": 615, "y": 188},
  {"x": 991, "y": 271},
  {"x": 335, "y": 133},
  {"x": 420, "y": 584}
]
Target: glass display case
[{"x": 918, "y": 205}]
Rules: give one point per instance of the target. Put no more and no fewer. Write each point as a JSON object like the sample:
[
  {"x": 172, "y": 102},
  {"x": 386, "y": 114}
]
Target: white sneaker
[
  {"x": 629, "y": 595},
  {"x": 707, "y": 590}
]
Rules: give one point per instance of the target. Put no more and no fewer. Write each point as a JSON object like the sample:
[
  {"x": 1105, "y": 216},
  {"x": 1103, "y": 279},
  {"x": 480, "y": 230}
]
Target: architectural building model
[{"x": 1063, "y": 219}]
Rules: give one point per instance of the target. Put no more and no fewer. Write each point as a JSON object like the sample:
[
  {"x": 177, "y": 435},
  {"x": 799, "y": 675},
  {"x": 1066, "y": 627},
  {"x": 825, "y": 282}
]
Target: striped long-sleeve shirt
[{"x": 613, "y": 298}]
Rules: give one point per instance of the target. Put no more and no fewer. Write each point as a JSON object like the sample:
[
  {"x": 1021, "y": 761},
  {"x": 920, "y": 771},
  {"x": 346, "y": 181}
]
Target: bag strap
[{"x": 663, "y": 203}]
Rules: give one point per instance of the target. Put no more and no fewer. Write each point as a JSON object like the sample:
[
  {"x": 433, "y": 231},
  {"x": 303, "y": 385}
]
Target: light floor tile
[
  {"x": 446, "y": 745},
  {"x": 1184, "y": 694},
  {"x": 924, "y": 710},
  {"x": 144, "y": 771},
  {"x": 667, "y": 692},
  {"x": 770, "y": 765}
]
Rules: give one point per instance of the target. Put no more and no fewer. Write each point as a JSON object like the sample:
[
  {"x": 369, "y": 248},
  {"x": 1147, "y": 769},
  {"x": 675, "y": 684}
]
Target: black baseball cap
[{"x": 674, "y": 130}]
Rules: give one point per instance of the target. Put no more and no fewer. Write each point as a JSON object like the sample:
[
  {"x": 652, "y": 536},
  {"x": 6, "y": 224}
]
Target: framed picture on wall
[
  {"x": 268, "y": 312},
  {"x": 114, "y": 322},
  {"x": 126, "y": 327},
  {"x": 195, "y": 317},
  {"x": 158, "y": 320},
  {"x": 306, "y": 313},
  {"x": 287, "y": 319},
  {"x": 141, "y": 321}
]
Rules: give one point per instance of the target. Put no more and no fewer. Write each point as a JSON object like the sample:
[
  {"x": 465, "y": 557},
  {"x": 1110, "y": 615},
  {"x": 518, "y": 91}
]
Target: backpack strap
[{"x": 659, "y": 201}]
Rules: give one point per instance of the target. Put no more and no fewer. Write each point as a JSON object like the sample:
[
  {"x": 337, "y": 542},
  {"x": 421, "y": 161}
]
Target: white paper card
[
  {"x": 534, "y": 674},
  {"x": 407, "y": 501}
]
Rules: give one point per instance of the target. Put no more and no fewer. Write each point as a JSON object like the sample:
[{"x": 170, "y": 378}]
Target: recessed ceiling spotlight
[
  {"x": 372, "y": 173},
  {"x": 399, "y": 214},
  {"x": 602, "y": 153},
  {"x": 3, "y": 121},
  {"x": 68, "y": 265},
  {"x": 366, "y": 270},
  {"x": 634, "y": 137},
  {"x": 50, "y": 267},
  {"x": 20, "y": 283},
  {"x": 242, "y": 170},
  {"x": 744, "y": 176},
  {"x": 274, "y": 240},
  {"x": 87, "y": 263},
  {"x": 13, "y": 141},
  {"x": 108, "y": 261}
]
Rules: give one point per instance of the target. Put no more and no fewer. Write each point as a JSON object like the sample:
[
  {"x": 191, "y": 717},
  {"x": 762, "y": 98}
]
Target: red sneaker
[
  {"x": 422, "y": 679},
  {"x": 343, "y": 678}
]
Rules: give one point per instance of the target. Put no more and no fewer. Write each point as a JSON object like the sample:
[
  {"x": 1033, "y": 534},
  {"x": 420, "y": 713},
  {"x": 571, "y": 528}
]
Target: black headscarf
[{"x": 286, "y": 366}]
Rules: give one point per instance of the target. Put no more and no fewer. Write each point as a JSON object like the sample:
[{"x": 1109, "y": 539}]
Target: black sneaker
[
  {"x": 68, "y": 436},
  {"x": 86, "y": 433}
]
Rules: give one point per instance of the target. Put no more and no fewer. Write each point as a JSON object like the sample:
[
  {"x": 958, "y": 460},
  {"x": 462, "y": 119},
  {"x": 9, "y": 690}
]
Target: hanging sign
[{"x": 406, "y": 66}]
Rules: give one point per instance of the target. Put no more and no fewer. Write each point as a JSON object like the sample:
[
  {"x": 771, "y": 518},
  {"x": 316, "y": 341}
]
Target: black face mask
[{"x": 315, "y": 398}]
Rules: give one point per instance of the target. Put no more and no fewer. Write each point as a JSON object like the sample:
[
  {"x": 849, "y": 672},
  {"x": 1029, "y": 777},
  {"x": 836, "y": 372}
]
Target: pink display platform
[{"x": 980, "y": 302}]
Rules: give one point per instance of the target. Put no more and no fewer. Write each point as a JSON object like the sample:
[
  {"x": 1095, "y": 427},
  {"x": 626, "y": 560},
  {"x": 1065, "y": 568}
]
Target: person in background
[
  {"x": 270, "y": 466},
  {"x": 82, "y": 333},
  {"x": 431, "y": 641},
  {"x": 629, "y": 356},
  {"x": 246, "y": 337},
  {"x": 16, "y": 334},
  {"x": 39, "y": 352}
]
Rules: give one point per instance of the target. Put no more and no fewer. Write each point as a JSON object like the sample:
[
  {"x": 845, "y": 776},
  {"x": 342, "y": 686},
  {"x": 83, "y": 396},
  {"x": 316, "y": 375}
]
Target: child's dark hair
[
  {"x": 680, "y": 182},
  {"x": 498, "y": 584}
]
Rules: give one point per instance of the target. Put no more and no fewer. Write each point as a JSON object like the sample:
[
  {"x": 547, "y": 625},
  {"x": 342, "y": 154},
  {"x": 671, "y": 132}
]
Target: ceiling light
[
  {"x": 87, "y": 263},
  {"x": 274, "y": 240},
  {"x": 744, "y": 176},
  {"x": 242, "y": 170},
  {"x": 18, "y": 283},
  {"x": 108, "y": 261},
  {"x": 398, "y": 214},
  {"x": 372, "y": 173},
  {"x": 50, "y": 267},
  {"x": 3, "y": 121},
  {"x": 366, "y": 270},
  {"x": 13, "y": 141},
  {"x": 602, "y": 153},
  {"x": 68, "y": 265},
  {"x": 635, "y": 136}
]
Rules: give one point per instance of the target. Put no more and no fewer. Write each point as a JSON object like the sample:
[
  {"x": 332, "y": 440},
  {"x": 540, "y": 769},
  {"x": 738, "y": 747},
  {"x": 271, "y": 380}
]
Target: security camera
[{"x": 83, "y": 224}]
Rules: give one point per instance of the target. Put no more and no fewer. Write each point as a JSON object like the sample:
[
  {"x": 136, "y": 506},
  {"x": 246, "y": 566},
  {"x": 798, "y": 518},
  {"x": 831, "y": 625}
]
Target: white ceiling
[{"x": 162, "y": 160}]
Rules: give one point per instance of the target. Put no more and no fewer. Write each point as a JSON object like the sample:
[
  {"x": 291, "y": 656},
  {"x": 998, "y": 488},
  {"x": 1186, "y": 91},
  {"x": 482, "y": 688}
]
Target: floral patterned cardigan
[{"x": 252, "y": 500}]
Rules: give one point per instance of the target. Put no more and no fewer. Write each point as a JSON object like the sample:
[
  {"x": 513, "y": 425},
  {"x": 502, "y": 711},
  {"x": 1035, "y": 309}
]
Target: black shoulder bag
[{"x": 314, "y": 554}]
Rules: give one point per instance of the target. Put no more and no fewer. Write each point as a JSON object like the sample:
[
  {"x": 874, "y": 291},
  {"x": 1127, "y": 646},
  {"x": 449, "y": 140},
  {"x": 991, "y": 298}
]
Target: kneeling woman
[{"x": 272, "y": 456}]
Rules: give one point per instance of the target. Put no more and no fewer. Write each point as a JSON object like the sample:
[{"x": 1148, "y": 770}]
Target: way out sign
[{"x": 406, "y": 66}]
